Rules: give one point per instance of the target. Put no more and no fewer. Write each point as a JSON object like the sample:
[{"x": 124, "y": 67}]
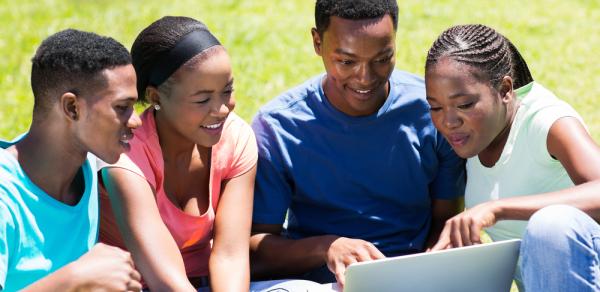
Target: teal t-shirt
[{"x": 39, "y": 234}]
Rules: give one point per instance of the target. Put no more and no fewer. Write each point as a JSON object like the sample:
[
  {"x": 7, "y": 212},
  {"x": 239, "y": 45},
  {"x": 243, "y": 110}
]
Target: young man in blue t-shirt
[
  {"x": 84, "y": 90},
  {"x": 350, "y": 156}
]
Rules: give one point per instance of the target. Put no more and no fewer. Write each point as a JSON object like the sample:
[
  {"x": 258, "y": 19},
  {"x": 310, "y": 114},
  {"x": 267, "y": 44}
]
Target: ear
[
  {"x": 316, "y": 40},
  {"x": 70, "y": 106},
  {"x": 506, "y": 89},
  {"x": 152, "y": 95}
]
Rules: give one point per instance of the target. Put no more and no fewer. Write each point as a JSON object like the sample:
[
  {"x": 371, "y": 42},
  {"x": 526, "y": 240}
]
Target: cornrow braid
[{"x": 484, "y": 48}]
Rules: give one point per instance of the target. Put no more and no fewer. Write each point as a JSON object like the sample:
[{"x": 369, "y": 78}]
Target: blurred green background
[{"x": 270, "y": 45}]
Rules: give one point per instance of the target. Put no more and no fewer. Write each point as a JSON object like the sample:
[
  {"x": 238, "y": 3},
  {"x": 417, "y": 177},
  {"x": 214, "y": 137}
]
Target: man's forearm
[{"x": 273, "y": 255}]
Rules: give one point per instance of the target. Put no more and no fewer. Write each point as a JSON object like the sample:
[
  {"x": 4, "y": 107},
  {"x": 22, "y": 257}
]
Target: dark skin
[
  {"x": 474, "y": 117},
  {"x": 64, "y": 132},
  {"x": 200, "y": 95},
  {"x": 359, "y": 56}
]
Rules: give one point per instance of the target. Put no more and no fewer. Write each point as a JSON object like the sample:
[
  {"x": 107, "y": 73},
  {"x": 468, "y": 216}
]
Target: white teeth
[
  {"x": 362, "y": 91},
  {"x": 125, "y": 139},
  {"x": 213, "y": 126}
]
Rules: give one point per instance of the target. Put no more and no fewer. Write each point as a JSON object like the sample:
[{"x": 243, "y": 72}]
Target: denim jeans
[{"x": 560, "y": 251}]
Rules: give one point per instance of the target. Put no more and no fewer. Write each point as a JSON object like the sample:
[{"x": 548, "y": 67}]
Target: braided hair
[{"x": 483, "y": 48}]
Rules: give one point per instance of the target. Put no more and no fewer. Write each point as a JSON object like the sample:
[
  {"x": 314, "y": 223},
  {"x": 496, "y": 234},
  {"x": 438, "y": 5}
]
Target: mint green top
[
  {"x": 39, "y": 234},
  {"x": 525, "y": 167}
]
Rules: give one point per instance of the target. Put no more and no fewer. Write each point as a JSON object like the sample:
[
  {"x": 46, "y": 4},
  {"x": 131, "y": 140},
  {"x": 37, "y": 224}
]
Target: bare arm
[
  {"x": 569, "y": 143},
  {"x": 274, "y": 255},
  {"x": 104, "y": 267},
  {"x": 441, "y": 211},
  {"x": 153, "y": 248},
  {"x": 229, "y": 266}
]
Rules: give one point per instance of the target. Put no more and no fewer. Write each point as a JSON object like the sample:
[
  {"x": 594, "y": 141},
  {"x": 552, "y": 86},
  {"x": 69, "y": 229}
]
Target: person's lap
[{"x": 560, "y": 251}]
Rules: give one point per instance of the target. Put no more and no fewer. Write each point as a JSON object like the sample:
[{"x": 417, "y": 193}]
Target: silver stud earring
[{"x": 157, "y": 107}]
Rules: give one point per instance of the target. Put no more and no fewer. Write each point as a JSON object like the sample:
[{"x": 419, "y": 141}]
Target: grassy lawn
[
  {"x": 271, "y": 49},
  {"x": 270, "y": 44}
]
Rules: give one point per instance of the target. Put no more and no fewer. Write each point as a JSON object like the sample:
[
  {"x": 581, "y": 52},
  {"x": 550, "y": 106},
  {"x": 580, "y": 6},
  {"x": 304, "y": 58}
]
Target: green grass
[{"x": 270, "y": 44}]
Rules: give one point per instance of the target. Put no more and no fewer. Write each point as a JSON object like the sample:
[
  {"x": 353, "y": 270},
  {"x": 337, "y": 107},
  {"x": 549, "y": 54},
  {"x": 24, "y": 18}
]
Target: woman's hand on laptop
[
  {"x": 465, "y": 228},
  {"x": 343, "y": 252}
]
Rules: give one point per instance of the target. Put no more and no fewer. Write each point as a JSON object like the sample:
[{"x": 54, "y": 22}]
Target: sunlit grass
[{"x": 270, "y": 44}]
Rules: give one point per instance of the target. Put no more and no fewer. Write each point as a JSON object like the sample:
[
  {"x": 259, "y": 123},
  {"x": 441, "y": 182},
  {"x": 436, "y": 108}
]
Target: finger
[
  {"x": 444, "y": 239},
  {"x": 374, "y": 252},
  {"x": 135, "y": 275},
  {"x": 134, "y": 286},
  {"x": 362, "y": 254},
  {"x": 476, "y": 233},
  {"x": 455, "y": 236},
  {"x": 127, "y": 258},
  {"x": 340, "y": 270},
  {"x": 465, "y": 231}
]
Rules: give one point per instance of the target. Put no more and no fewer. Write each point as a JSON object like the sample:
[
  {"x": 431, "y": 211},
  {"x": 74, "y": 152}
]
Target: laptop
[{"x": 478, "y": 268}]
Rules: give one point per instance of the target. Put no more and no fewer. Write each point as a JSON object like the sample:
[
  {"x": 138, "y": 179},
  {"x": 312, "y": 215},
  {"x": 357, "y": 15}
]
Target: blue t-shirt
[
  {"x": 371, "y": 177},
  {"x": 39, "y": 234}
]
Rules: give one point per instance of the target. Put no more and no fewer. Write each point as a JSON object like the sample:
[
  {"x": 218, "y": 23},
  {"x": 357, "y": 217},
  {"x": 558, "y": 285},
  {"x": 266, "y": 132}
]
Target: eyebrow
[
  {"x": 129, "y": 98},
  {"x": 382, "y": 52},
  {"x": 455, "y": 96},
  {"x": 229, "y": 83}
]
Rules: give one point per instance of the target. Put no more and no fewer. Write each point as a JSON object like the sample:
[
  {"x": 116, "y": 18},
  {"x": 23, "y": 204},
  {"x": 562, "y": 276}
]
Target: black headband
[{"x": 189, "y": 46}]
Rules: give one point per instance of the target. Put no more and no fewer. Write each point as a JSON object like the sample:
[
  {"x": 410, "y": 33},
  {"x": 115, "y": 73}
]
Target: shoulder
[
  {"x": 542, "y": 108},
  {"x": 10, "y": 180},
  {"x": 407, "y": 94},
  {"x": 407, "y": 79},
  {"x": 407, "y": 85},
  {"x": 236, "y": 129},
  {"x": 292, "y": 100},
  {"x": 10, "y": 191}
]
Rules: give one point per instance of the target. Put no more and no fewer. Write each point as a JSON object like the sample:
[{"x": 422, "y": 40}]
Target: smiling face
[
  {"x": 471, "y": 114},
  {"x": 200, "y": 97},
  {"x": 107, "y": 116},
  {"x": 359, "y": 57}
]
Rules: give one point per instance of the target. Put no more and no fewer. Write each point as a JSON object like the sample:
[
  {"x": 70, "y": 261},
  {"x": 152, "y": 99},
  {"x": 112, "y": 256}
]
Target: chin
[
  {"x": 110, "y": 158},
  {"x": 465, "y": 153}
]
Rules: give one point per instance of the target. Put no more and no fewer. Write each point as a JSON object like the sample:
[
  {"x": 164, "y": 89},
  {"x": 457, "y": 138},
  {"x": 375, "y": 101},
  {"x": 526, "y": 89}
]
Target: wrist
[
  {"x": 497, "y": 208},
  {"x": 323, "y": 246},
  {"x": 71, "y": 279}
]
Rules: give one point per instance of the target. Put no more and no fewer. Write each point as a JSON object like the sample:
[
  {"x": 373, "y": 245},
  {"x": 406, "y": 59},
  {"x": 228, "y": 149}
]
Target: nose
[
  {"x": 452, "y": 119},
  {"x": 365, "y": 74},
  {"x": 134, "y": 121},
  {"x": 220, "y": 110}
]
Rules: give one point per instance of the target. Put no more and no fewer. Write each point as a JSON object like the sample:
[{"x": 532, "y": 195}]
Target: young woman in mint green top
[{"x": 526, "y": 149}]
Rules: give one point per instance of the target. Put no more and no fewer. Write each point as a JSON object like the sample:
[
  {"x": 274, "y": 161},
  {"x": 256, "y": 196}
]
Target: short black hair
[
  {"x": 483, "y": 48},
  {"x": 70, "y": 61},
  {"x": 353, "y": 9},
  {"x": 159, "y": 37}
]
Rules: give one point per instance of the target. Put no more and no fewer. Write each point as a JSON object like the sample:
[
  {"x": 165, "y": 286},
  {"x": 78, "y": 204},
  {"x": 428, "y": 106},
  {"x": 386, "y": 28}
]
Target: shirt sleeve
[
  {"x": 7, "y": 235},
  {"x": 450, "y": 180},
  {"x": 245, "y": 151},
  {"x": 272, "y": 191},
  {"x": 539, "y": 128}
]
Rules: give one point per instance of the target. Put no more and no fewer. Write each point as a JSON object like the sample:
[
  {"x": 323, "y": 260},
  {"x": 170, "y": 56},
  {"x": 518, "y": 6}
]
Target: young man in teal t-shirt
[{"x": 84, "y": 90}]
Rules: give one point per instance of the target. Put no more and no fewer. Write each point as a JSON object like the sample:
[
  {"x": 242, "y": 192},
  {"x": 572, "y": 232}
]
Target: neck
[
  {"x": 51, "y": 159},
  {"x": 491, "y": 154}
]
